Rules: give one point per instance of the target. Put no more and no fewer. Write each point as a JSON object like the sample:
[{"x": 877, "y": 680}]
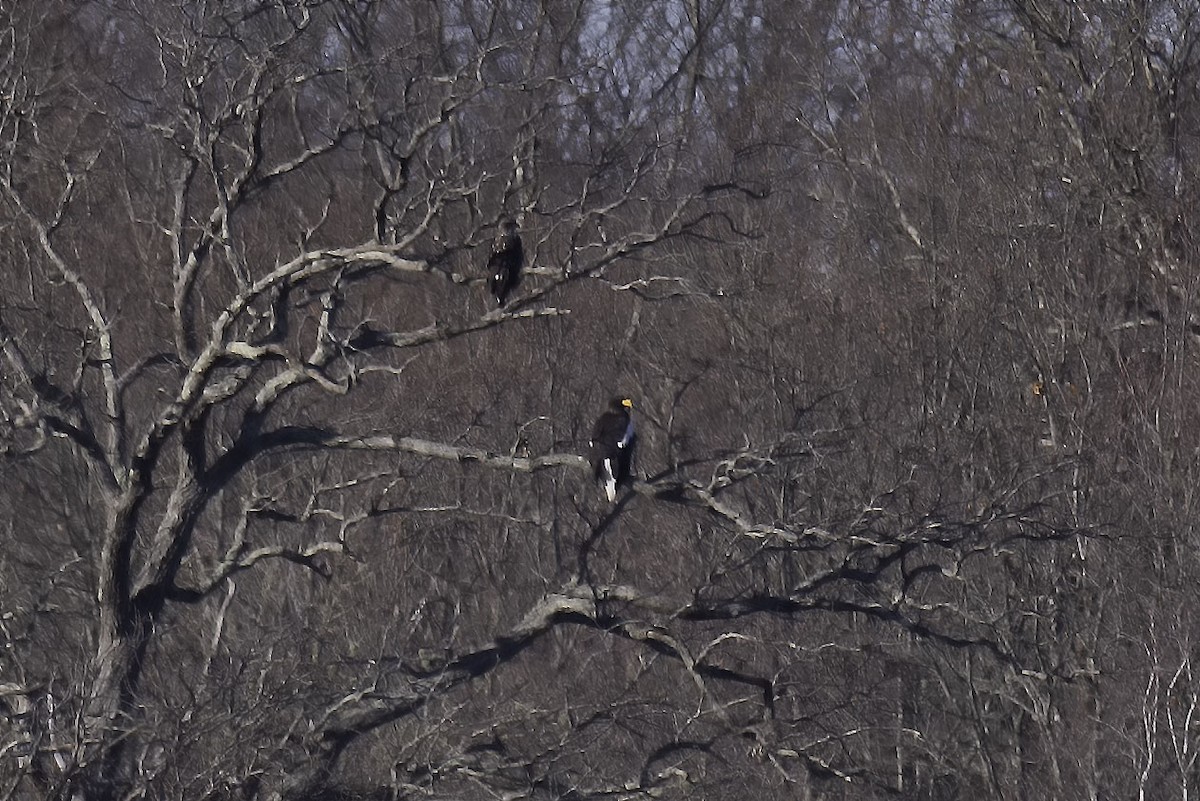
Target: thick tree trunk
[{"x": 121, "y": 640}]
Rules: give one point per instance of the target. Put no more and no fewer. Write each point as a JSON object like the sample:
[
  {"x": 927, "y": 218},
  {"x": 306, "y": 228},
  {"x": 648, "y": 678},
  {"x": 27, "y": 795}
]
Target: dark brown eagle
[{"x": 504, "y": 265}]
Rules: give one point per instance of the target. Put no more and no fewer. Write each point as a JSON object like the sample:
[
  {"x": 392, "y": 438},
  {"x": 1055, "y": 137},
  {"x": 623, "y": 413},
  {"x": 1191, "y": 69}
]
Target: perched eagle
[
  {"x": 612, "y": 446},
  {"x": 504, "y": 265}
]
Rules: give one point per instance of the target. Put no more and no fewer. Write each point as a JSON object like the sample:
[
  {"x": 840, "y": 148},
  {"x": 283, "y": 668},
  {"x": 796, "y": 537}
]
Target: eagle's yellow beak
[{"x": 627, "y": 403}]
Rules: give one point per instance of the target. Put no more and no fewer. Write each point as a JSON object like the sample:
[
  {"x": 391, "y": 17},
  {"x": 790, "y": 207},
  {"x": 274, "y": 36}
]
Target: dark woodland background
[{"x": 905, "y": 295}]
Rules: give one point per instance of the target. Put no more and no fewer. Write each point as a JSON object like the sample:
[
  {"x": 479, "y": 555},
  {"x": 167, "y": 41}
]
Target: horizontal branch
[
  {"x": 365, "y": 338},
  {"x": 241, "y": 558},
  {"x": 424, "y": 447}
]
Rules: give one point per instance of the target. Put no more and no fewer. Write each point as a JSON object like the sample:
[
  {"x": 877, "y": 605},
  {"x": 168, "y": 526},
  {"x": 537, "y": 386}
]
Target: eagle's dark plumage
[
  {"x": 612, "y": 446},
  {"x": 504, "y": 265}
]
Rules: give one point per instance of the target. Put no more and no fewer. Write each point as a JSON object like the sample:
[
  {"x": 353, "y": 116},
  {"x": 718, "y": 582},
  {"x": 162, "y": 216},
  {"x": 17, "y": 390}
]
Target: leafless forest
[{"x": 906, "y": 294}]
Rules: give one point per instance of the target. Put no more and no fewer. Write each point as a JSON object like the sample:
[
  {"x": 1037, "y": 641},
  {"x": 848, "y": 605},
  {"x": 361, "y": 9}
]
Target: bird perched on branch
[
  {"x": 612, "y": 446},
  {"x": 504, "y": 265}
]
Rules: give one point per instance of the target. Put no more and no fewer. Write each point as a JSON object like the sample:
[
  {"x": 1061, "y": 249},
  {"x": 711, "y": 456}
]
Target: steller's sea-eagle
[
  {"x": 612, "y": 446},
  {"x": 504, "y": 265}
]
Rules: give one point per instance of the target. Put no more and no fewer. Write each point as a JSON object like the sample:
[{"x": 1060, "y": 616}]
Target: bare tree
[{"x": 901, "y": 293}]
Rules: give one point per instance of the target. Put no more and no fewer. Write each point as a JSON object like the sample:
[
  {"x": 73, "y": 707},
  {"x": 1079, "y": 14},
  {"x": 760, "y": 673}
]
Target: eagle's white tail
[{"x": 610, "y": 480}]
